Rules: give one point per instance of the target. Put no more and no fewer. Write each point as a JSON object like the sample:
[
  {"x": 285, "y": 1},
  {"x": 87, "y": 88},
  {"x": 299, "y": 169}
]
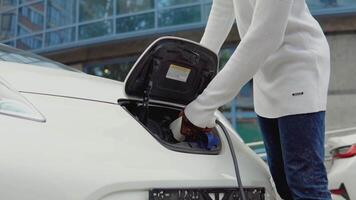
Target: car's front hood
[{"x": 37, "y": 79}]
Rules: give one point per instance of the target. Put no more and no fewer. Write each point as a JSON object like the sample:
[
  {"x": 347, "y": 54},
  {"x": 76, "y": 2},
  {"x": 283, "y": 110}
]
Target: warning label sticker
[{"x": 178, "y": 73}]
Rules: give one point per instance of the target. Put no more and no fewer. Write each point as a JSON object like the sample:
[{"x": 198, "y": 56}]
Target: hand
[{"x": 183, "y": 129}]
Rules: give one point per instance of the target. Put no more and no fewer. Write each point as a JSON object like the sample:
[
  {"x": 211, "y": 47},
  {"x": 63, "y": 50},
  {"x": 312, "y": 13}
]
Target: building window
[
  {"x": 22, "y": 31},
  {"x": 30, "y": 43},
  {"x": 31, "y": 18},
  {"x": 133, "y": 6},
  {"x": 60, "y": 13},
  {"x": 331, "y": 6},
  {"x": 135, "y": 23},
  {"x": 7, "y": 4},
  {"x": 169, "y": 3},
  {"x": 10, "y": 43},
  {"x": 116, "y": 69},
  {"x": 95, "y": 9},
  {"x": 178, "y": 16},
  {"x": 7, "y": 25},
  {"x": 26, "y": 1},
  {"x": 96, "y": 29},
  {"x": 60, "y": 37},
  {"x": 206, "y": 11}
]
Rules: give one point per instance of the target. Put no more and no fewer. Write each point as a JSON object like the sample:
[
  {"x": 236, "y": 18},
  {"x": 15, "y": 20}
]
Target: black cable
[{"x": 234, "y": 159}]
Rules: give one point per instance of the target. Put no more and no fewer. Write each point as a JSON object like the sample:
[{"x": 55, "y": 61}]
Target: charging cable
[{"x": 234, "y": 159}]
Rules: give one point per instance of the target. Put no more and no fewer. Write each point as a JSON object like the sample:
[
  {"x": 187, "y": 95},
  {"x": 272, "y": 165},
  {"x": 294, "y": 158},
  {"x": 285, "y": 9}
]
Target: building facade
[
  {"x": 51, "y": 25},
  {"x": 104, "y": 37}
]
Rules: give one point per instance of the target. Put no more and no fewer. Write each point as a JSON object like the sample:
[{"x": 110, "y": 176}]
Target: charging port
[{"x": 157, "y": 121}]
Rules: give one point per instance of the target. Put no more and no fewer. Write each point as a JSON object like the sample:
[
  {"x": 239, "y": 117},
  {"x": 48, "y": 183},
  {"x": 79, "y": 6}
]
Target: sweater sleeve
[
  {"x": 264, "y": 36},
  {"x": 221, "y": 19}
]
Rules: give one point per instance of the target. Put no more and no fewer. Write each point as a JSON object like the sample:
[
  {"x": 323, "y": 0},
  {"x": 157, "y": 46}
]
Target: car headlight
[{"x": 12, "y": 103}]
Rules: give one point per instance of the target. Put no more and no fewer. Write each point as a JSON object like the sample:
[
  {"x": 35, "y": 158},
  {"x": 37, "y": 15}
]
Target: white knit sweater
[{"x": 282, "y": 48}]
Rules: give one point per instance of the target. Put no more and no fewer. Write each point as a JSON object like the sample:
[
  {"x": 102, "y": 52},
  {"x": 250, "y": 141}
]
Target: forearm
[{"x": 264, "y": 37}]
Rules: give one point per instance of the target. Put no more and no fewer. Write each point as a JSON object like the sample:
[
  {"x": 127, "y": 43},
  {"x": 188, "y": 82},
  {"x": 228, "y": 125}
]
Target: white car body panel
[
  {"x": 91, "y": 148},
  {"x": 60, "y": 82},
  {"x": 341, "y": 123},
  {"x": 342, "y": 171}
]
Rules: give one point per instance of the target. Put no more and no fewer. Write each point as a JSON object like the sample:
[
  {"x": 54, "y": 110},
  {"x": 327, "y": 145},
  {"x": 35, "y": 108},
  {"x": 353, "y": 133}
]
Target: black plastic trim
[
  {"x": 165, "y": 54},
  {"x": 173, "y": 147},
  {"x": 253, "y": 193}
]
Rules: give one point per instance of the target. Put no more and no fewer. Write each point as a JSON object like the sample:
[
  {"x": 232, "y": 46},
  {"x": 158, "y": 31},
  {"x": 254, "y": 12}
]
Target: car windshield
[{"x": 10, "y": 54}]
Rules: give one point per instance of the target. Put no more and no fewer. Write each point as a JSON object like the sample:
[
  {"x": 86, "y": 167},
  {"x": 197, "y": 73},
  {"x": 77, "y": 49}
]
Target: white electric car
[
  {"x": 66, "y": 135},
  {"x": 341, "y": 145}
]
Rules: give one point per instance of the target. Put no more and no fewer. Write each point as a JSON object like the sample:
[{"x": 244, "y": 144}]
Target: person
[{"x": 285, "y": 51}]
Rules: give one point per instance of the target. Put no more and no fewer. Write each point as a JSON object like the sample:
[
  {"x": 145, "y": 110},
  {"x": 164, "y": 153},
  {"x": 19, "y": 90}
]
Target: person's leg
[
  {"x": 270, "y": 133},
  {"x": 302, "y": 140}
]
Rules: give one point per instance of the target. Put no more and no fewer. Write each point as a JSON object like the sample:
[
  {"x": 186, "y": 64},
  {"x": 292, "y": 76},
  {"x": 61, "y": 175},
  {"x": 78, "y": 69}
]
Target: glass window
[
  {"x": 15, "y": 55},
  {"x": 26, "y": 1},
  {"x": 185, "y": 15},
  {"x": 124, "y": 6},
  {"x": 135, "y": 23},
  {"x": 224, "y": 56},
  {"x": 317, "y": 4},
  {"x": 22, "y": 31},
  {"x": 167, "y": 3},
  {"x": 7, "y": 25},
  {"x": 29, "y": 43},
  {"x": 60, "y": 13},
  {"x": 331, "y": 6},
  {"x": 94, "y": 9},
  {"x": 7, "y": 4},
  {"x": 30, "y": 18},
  {"x": 60, "y": 37},
  {"x": 96, "y": 29},
  {"x": 10, "y": 43},
  {"x": 112, "y": 69},
  {"x": 206, "y": 11}
]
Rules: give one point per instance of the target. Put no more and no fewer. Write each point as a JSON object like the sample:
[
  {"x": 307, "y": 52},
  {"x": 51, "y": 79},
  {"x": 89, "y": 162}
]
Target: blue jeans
[{"x": 295, "y": 154}]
